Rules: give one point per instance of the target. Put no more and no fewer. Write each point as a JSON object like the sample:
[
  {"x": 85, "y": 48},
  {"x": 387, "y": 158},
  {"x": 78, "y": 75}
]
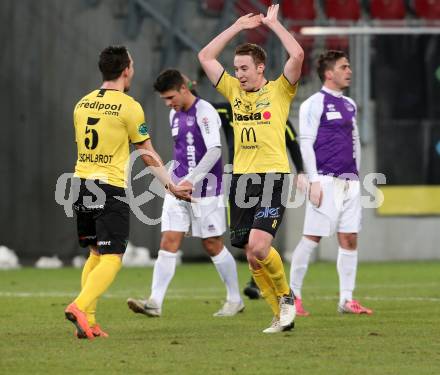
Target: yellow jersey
[
  {"x": 259, "y": 124},
  {"x": 105, "y": 122}
]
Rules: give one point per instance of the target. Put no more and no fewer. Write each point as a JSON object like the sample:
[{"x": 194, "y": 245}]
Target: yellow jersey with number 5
[
  {"x": 259, "y": 124},
  {"x": 105, "y": 122}
]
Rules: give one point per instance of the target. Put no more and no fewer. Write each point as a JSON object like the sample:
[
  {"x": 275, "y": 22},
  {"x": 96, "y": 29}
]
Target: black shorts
[
  {"x": 102, "y": 219},
  {"x": 257, "y": 204}
]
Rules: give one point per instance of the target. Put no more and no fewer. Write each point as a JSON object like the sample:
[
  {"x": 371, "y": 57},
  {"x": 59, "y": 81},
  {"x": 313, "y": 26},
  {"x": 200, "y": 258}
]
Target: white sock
[
  {"x": 300, "y": 262},
  {"x": 225, "y": 264},
  {"x": 164, "y": 269},
  {"x": 346, "y": 266}
]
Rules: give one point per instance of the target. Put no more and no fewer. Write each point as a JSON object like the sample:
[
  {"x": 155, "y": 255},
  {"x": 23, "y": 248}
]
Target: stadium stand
[
  {"x": 387, "y": 9},
  {"x": 299, "y": 9},
  {"x": 342, "y": 11},
  {"x": 427, "y": 9},
  {"x": 336, "y": 11},
  {"x": 243, "y": 7},
  {"x": 212, "y": 7},
  {"x": 301, "y": 13}
]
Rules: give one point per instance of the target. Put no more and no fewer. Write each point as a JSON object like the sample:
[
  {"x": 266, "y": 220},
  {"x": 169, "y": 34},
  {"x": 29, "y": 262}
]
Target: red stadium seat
[
  {"x": 259, "y": 35},
  {"x": 213, "y": 7},
  {"x": 343, "y": 9},
  {"x": 427, "y": 9},
  {"x": 301, "y": 13},
  {"x": 387, "y": 9},
  {"x": 340, "y": 43},
  {"x": 246, "y": 6},
  {"x": 298, "y": 9}
]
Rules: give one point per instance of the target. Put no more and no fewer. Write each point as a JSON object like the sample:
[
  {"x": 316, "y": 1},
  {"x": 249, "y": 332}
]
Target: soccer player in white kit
[
  {"x": 195, "y": 128},
  {"x": 331, "y": 151}
]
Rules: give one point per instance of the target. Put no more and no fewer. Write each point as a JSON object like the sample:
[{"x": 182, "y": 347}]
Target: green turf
[{"x": 402, "y": 337}]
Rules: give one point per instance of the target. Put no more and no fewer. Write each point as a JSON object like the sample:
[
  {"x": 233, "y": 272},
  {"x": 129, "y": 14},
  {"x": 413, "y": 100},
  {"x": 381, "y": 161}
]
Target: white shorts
[
  {"x": 340, "y": 209},
  {"x": 206, "y": 218}
]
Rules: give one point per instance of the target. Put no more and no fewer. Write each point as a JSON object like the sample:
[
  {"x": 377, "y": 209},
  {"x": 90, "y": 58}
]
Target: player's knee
[
  {"x": 348, "y": 241},
  {"x": 169, "y": 244},
  {"x": 213, "y": 245}
]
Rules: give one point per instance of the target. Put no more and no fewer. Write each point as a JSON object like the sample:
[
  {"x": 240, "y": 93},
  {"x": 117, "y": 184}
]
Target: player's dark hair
[
  {"x": 257, "y": 53},
  {"x": 170, "y": 79},
  {"x": 327, "y": 61},
  {"x": 112, "y": 62}
]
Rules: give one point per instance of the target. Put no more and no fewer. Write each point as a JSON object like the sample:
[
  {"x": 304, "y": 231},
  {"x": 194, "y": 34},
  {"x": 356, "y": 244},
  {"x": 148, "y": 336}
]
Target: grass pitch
[{"x": 402, "y": 337}]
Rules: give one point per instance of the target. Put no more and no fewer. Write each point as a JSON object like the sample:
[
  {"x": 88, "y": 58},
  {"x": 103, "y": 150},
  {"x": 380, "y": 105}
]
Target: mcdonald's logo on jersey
[{"x": 249, "y": 133}]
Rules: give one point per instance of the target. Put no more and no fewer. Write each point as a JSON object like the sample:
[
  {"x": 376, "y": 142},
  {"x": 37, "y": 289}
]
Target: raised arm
[
  {"x": 208, "y": 55},
  {"x": 292, "y": 68}
]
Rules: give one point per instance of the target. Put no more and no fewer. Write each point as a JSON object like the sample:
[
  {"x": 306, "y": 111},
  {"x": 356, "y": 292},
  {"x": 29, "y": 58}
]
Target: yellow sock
[
  {"x": 273, "y": 265},
  {"x": 91, "y": 313},
  {"x": 267, "y": 289},
  {"x": 98, "y": 280},
  {"x": 91, "y": 263}
]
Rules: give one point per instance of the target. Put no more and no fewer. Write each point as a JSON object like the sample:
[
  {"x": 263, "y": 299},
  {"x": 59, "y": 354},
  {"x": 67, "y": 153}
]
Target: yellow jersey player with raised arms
[
  {"x": 261, "y": 108},
  {"x": 106, "y": 120}
]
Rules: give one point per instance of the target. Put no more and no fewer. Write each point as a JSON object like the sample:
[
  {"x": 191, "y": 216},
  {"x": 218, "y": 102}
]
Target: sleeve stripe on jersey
[
  {"x": 220, "y": 78},
  {"x": 291, "y": 84},
  {"x": 290, "y": 133}
]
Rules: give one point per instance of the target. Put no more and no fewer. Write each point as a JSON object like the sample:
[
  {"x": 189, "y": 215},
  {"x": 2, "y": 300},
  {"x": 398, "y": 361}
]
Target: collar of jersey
[
  {"x": 253, "y": 92},
  {"x": 108, "y": 89},
  {"x": 338, "y": 94}
]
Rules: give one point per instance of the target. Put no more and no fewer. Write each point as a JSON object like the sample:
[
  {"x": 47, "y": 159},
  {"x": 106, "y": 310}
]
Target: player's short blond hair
[{"x": 257, "y": 53}]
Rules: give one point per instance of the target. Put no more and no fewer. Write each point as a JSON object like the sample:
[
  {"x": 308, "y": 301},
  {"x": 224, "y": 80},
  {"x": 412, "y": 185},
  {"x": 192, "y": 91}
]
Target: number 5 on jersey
[{"x": 91, "y": 138}]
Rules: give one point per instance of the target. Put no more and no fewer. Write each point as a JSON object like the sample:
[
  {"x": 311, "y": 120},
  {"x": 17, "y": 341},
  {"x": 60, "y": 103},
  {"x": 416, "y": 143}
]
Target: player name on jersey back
[{"x": 94, "y": 158}]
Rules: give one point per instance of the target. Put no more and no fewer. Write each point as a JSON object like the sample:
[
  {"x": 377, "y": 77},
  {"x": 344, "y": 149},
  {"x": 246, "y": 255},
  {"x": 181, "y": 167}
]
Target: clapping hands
[
  {"x": 251, "y": 20},
  {"x": 271, "y": 16}
]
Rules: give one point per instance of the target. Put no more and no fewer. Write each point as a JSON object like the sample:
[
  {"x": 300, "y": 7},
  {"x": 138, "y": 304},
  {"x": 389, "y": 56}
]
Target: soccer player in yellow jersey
[
  {"x": 260, "y": 108},
  {"x": 106, "y": 120}
]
